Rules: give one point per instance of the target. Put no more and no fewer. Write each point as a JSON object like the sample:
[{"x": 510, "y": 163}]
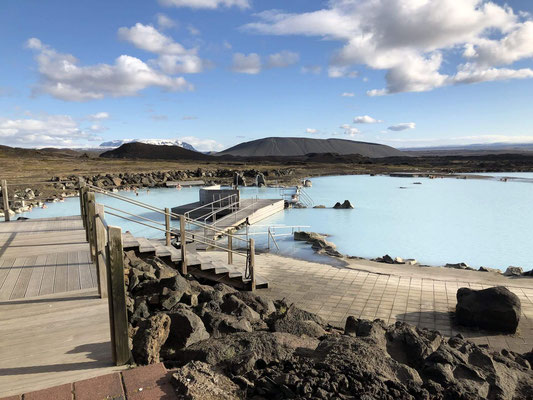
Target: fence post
[
  {"x": 82, "y": 206},
  {"x": 91, "y": 212},
  {"x": 7, "y": 217},
  {"x": 100, "y": 246},
  {"x": 183, "y": 241},
  {"x": 252, "y": 263},
  {"x": 230, "y": 248},
  {"x": 167, "y": 226},
  {"x": 117, "y": 298}
]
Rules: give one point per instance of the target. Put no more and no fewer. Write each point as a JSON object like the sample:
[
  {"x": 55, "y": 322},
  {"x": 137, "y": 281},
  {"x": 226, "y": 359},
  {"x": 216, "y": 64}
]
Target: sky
[{"x": 215, "y": 73}]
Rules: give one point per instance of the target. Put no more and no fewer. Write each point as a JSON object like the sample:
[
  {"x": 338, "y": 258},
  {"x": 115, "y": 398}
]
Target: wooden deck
[
  {"x": 44, "y": 256},
  {"x": 54, "y": 328}
]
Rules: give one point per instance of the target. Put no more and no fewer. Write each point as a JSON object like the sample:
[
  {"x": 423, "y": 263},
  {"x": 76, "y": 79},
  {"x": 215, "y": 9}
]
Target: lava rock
[
  {"x": 345, "y": 205},
  {"x": 513, "y": 271},
  {"x": 200, "y": 381},
  {"x": 149, "y": 339},
  {"x": 186, "y": 328},
  {"x": 495, "y": 309}
]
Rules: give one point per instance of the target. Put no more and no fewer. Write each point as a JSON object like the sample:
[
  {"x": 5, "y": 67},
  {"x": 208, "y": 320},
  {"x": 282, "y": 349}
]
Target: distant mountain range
[
  {"x": 294, "y": 147},
  {"x": 472, "y": 149},
  {"x": 113, "y": 144},
  {"x": 139, "y": 150}
]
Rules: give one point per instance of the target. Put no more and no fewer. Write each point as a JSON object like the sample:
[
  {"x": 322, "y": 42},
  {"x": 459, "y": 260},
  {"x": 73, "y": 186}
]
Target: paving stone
[
  {"x": 101, "y": 387},
  {"x": 63, "y": 392},
  {"x": 148, "y": 382}
]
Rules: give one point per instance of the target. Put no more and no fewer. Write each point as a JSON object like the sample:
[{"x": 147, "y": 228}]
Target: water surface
[{"x": 480, "y": 222}]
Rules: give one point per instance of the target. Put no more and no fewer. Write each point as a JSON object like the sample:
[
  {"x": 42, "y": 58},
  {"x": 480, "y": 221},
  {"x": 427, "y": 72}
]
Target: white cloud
[
  {"x": 349, "y": 130},
  {"x": 189, "y": 117},
  {"x": 164, "y": 22},
  {"x": 366, "y": 119},
  {"x": 146, "y": 37},
  {"x": 246, "y": 64},
  {"x": 311, "y": 69},
  {"x": 412, "y": 39},
  {"x": 311, "y": 130},
  {"x": 46, "y": 130},
  {"x": 99, "y": 116},
  {"x": 193, "y": 31},
  {"x": 173, "y": 58},
  {"x": 335, "y": 71},
  {"x": 348, "y": 94},
  {"x": 282, "y": 59},
  {"x": 62, "y": 77},
  {"x": 209, "y": 4},
  {"x": 203, "y": 144},
  {"x": 402, "y": 127}
]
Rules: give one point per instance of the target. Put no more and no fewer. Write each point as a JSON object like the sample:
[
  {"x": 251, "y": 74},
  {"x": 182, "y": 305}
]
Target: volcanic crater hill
[
  {"x": 136, "y": 150},
  {"x": 290, "y": 147}
]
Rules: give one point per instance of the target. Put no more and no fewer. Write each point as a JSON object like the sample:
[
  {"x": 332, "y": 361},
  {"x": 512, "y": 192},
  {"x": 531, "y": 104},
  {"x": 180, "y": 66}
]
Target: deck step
[
  {"x": 145, "y": 246},
  {"x": 161, "y": 250},
  {"x": 129, "y": 241}
]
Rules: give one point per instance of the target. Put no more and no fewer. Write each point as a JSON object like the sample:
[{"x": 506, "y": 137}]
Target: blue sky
[{"x": 219, "y": 72}]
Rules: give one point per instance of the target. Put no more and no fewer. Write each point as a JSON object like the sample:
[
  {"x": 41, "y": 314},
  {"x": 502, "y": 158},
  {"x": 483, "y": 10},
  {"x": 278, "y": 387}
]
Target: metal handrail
[
  {"x": 134, "y": 215},
  {"x": 152, "y": 208},
  {"x": 188, "y": 213}
]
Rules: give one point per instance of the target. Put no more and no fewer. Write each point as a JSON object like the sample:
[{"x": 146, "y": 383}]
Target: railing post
[
  {"x": 183, "y": 240},
  {"x": 268, "y": 237},
  {"x": 7, "y": 217},
  {"x": 100, "y": 240},
  {"x": 252, "y": 263},
  {"x": 230, "y": 248},
  {"x": 91, "y": 212},
  {"x": 83, "y": 211},
  {"x": 167, "y": 226},
  {"x": 117, "y": 298}
]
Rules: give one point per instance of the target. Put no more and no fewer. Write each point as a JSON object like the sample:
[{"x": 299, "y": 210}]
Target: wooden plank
[
  {"x": 144, "y": 245},
  {"x": 5, "y": 266},
  {"x": 36, "y": 277},
  {"x": 11, "y": 278},
  {"x": 117, "y": 294},
  {"x": 47, "y": 284},
  {"x": 24, "y": 278},
  {"x": 60, "y": 283},
  {"x": 92, "y": 268},
  {"x": 86, "y": 281},
  {"x": 73, "y": 273}
]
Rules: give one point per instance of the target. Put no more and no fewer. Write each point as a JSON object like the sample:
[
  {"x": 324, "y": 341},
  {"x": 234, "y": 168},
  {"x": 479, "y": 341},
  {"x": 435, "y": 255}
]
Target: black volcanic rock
[
  {"x": 288, "y": 147},
  {"x": 154, "y": 152},
  {"x": 495, "y": 309}
]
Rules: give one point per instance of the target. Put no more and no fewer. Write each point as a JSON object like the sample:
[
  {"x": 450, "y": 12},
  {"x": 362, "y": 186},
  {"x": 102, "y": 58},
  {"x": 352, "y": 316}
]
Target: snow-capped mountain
[{"x": 112, "y": 144}]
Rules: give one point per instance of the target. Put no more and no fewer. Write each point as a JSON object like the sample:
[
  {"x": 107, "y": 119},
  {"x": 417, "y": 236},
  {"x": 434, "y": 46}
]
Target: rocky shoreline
[
  {"x": 321, "y": 245},
  {"x": 224, "y": 344}
]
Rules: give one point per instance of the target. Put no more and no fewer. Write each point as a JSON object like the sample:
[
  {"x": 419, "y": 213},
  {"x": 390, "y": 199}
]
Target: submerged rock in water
[
  {"x": 344, "y": 205},
  {"x": 318, "y": 243},
  {"x": 495, "y": 309}
]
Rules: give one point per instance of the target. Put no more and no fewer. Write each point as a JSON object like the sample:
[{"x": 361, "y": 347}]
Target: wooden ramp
[
  {"x": 54, "y": 328},
  {"x": 253, "y": 209}
]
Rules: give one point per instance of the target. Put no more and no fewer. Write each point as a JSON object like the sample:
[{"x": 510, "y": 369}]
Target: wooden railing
[
  {"x": 106, "y": 251},
  {"x": 184, "y": 234}
]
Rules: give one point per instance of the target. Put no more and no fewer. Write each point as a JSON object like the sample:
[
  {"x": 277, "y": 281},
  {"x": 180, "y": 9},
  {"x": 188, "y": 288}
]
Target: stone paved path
[
  {"x": 144, "y": 383},
  {"x": 421, "y": 296}
]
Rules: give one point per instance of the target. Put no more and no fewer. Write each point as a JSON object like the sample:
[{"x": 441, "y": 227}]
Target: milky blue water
[{"x": 480, "y": 222}]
